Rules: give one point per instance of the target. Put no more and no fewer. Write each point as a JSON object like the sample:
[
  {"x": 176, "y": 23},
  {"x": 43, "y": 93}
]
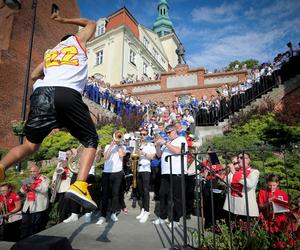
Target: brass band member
[
  {"x": 236, "y": 180},
  {"x": 112, "y": 179},
  {"x": 36, "y": 203},
  {"x": 70, "y": 207},
  {"x": 61, "y": 181},
  {"x": 164, "y": 149},
  {"x": 10, "y": 206},
  {"x": 191, "y": 176},
  {"x": 147, "y": 153}
]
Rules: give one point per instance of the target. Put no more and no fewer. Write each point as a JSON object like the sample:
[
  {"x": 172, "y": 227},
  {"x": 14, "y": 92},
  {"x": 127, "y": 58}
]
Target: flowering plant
[{"x": 261, "y": 236}]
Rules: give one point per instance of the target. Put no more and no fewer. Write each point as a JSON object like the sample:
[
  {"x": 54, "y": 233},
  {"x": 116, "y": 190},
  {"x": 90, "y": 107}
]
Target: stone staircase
[
  {"x": 206, "y": 132},
  {"x": 98, "y": 112}
]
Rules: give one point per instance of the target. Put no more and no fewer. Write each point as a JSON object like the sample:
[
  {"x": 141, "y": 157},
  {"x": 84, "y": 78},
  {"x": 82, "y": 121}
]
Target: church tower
[{"x": 163, "y": 25}]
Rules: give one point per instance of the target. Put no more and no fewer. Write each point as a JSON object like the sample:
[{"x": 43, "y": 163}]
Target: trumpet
[
  {"x": 155, "y": 133},
  {"x": 118, "y": 137},
  {"x": 3, "y": 212}
]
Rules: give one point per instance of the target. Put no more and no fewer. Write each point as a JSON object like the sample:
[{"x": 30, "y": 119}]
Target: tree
[
  {"x": 251, "y": 63},
  {"x": 232, "y": 65}
]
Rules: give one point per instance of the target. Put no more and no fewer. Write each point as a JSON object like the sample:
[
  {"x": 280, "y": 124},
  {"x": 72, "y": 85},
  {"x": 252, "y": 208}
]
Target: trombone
[{"x": 118, "y": 137}]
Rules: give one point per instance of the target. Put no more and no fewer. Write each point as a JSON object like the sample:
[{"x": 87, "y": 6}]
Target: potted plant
[{"x": 18, "y": 127}]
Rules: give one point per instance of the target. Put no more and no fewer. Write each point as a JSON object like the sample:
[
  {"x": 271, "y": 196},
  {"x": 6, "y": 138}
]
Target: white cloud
[
  {"x": 224, "y": 13},
  {"x": 220, "y": 53}
]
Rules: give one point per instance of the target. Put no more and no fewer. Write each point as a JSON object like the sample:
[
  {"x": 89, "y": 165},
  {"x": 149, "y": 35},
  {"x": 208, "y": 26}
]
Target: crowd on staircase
[{"x": 207, "y": 110}]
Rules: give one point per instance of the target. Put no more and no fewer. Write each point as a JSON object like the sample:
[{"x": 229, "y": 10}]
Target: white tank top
[{"x": 65, "y": 66}]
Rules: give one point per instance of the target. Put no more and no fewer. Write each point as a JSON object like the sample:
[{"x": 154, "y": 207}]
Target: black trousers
[
  {"x": 144, "y": 188},
  {"x": 218, "y": 202},
  {"x": 32, "y": 223},
  {"x": 11, "y": 231},
  {"x": 122, "y": 192},
  {"x": 62, "y": 208},
  {"x": 111, "y": 185},
  {"x": 155, "y": 177},
  {"x": 165, "y": 198},
  {"x": 190, "y": 183}
]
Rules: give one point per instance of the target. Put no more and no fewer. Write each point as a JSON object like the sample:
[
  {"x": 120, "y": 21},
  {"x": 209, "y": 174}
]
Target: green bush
[{"x": 265, "y": 132}]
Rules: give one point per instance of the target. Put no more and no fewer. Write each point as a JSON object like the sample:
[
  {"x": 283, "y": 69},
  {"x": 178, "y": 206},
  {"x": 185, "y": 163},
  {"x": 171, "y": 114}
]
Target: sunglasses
[
  {"x": 241, "y": 157},
  {"x": 169, "y": 132},
  {"x": 235, "y": 163},
  {"x": 143, "y": 134}
]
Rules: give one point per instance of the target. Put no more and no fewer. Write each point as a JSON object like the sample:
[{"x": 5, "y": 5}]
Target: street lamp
[{"x": 29, "y": 53}]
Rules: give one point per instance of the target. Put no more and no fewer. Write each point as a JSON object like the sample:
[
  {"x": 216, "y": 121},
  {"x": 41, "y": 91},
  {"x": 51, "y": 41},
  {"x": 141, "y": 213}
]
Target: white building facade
[{"x": 126, "y": 51}]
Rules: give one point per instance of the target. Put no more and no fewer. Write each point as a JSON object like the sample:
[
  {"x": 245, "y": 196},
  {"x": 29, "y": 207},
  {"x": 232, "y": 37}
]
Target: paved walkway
[{"x": 126, "y": 234}]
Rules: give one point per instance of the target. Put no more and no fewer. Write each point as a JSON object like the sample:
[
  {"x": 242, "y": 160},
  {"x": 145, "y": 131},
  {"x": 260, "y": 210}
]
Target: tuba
[
  {"x": 59, "y": 172},
  {"x": 118, "y": 137},
  {"x": 74, "y": 160}
]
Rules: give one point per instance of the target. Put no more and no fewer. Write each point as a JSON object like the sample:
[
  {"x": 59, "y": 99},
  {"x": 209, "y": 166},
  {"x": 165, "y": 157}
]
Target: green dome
[
  {"x": 163, "y": 2},
  {"x": 163, "y": 24}
]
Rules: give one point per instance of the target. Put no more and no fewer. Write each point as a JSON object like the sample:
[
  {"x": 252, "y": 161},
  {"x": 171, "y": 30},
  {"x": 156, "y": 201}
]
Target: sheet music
[{"x": 279, "y": 209}]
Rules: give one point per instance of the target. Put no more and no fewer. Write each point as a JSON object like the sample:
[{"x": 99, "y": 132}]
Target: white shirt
[
  {"x": 238, "y": 204},
  {"x": 144, "y": 164},
  {"x": 114, "y": 163},
  {"x": 65, "y": 66},
  {"x": 176, "y": 160}
]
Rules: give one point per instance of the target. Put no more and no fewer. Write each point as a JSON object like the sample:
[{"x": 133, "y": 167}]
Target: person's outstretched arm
[{"x": 83, "y": 35}]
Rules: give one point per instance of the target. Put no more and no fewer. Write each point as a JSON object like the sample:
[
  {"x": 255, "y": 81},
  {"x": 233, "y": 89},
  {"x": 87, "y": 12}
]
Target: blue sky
[{"x": 216, "y": 32}]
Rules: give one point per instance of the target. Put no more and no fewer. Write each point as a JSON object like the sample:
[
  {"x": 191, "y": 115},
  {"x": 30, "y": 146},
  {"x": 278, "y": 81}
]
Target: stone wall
[
  {"x": 182, "y": 81},
  {"x": 13, "y": 54}
]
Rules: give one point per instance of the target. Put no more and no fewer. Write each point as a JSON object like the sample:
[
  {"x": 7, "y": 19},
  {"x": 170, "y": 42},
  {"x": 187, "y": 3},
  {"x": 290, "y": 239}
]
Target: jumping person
[{"x": 56, "y": 102}]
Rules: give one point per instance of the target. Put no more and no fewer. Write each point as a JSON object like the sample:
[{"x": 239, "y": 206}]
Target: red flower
[{"x": 279, "y": 244}]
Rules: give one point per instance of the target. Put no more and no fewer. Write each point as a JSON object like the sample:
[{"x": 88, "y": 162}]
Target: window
[
  {"x": 155, "y": 54},
  {"x": 145, "y": 69},
  {"x": 100, "y": 29},
  {"x": 99, "y": 57},
  {"x": 132, "y": 57},
  {"x": 146, "y": 42}
]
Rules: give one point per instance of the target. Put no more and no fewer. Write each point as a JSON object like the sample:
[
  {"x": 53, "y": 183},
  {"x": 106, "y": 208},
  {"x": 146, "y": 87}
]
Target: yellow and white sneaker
[
  {"x": 79, "y": 192},
  {"x": 2, "y": 173}
]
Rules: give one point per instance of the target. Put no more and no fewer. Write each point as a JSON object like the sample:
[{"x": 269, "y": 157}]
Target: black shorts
[{"x": 57, "y": 107}]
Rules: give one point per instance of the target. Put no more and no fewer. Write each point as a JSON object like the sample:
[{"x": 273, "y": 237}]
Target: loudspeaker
[{"x": 41, "y": 242}]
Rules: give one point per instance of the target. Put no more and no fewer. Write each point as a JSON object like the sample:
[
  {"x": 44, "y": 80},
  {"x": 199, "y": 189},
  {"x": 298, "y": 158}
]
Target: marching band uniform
[
  {"x": 213, "y": 184},
  {"x": 36, "y": 203},
  {"x": 266, "y": 197},
  {"x": 12, "y": 203},
  {"x": 111, "y": 180},
  {"x": 237, "y": 203},
  {"x": 147, "y": 152},
  {"x": 164, "y": 151},
  {"x": 63, "y": 187}
]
